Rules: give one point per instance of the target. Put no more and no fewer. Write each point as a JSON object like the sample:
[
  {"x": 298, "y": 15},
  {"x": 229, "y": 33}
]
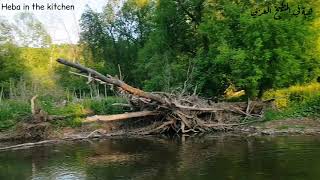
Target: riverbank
[
  {"x": 298, "y": 126},
  {"x": 287, "y": 127},
  {"x": 72, "y": 128},
  {"x": 295, "y": 111}
]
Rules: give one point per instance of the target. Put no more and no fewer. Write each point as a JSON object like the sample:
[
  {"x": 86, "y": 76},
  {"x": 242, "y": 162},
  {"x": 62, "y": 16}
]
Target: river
[{"x": 154, "y": 158}]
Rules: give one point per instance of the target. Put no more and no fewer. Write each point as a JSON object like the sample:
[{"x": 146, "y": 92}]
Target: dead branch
[
  {"x": 180, "y": 112},
  {"x": 28, "y": 145},
  {"x": 118, "y": 117},
  {"x": 33, "y": 108},
  {"x": 111, "y": 80},
  {"x": 121, "y": 104},
  {"x": 90, "y": 79}
]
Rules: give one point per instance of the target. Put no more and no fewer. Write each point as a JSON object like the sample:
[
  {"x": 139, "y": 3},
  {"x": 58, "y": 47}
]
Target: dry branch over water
[{"x": 179, "y": 113}]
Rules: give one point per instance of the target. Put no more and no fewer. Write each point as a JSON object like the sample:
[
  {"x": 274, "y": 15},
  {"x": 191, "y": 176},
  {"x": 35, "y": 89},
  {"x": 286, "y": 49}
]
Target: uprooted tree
[{"x": 175, "y": 112}]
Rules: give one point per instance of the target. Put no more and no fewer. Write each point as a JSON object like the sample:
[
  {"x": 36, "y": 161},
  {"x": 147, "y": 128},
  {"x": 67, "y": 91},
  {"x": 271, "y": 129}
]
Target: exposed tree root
[{"x": 182, "y": 113}]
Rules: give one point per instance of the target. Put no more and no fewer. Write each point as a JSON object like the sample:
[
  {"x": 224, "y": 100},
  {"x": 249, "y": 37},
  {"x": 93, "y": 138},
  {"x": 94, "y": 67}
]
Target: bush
[
  {"x": 12, "y": 112},
  {"x": 295, "y": 94},
  {"x": 76, "y": 110},
  {"x": 294, "y": 102},
  {"x": 104, "y": 106}
]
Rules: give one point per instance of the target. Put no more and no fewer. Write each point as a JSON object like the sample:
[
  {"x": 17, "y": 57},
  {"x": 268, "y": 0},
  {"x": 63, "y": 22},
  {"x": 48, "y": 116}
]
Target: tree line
[{"x": 202, "y": 46}]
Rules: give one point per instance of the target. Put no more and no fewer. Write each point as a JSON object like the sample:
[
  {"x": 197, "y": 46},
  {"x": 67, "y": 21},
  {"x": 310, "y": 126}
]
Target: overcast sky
[{"x": 63, "y": 26}]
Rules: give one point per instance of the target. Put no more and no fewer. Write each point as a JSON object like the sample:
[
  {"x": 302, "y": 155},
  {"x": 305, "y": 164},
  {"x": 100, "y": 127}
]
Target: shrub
[
  {"x": 105, "y": 106},
  {"x": 308, "y": 107},
  {"x": 295, "y": 94},
  {"x": 12, "y": 112}
]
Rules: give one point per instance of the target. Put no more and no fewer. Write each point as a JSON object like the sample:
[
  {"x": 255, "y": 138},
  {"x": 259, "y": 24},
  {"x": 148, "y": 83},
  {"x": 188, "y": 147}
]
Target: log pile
[{"x": 179, "y": 113}]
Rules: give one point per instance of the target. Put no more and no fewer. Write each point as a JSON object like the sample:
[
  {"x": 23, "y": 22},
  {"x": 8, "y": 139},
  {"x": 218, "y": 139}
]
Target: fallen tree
[
  {"x": 118, "y": 117},
  {"x": 179, "y": 112}
]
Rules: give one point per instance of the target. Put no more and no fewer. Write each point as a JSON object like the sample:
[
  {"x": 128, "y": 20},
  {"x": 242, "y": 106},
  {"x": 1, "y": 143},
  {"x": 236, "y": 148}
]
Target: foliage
[
  {"x": 77, "y": 110},
  {"x": 105, "y": 105},
  {"x": 12, "y": 112},
  {"x": 10, "y": 62},
  {"x": 293, "y": 94},
  {"x": 255, "y": 54},
  {"x": 211, "y": 47},
  {"x": 308, "y": 108},
  {"x": 295, "y": 101},
  {"x": 11, "y": 67},
  {"x": 167, "y": 58},
  {"x": 109, "y": 40},
  {"x": 205, "y": 44}
]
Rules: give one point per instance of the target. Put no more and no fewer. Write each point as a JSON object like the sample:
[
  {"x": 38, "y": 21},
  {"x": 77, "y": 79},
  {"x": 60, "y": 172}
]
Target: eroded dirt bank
[{"x": 302, "y": 126}]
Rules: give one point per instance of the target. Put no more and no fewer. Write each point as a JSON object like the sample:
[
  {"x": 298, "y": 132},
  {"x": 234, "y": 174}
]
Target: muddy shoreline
[{"x": 288, "y": 127}]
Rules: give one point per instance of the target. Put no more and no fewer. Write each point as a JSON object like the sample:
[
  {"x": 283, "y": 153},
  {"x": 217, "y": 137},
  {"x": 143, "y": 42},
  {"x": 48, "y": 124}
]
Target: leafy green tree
[
  {"x": 167, "y": 59},
  {"x": 11, "y": 66},
  {"x": 114, "y": 36},
  {"x": 93, "y": 34},
  {"x": 212, "y": 44},
  {"x": 255, "y": 54}
]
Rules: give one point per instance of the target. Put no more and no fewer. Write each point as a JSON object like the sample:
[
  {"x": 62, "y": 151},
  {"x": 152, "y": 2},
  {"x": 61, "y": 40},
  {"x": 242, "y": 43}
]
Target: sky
[{"x": 63, "y": 26}]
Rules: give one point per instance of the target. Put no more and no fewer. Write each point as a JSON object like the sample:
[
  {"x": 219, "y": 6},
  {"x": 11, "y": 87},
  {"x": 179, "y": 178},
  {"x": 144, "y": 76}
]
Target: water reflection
[{"x": 196, "y": 158}]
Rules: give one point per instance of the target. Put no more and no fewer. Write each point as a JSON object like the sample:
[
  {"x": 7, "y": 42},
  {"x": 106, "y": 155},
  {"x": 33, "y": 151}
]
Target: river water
[{"x": 153, "y": 158}]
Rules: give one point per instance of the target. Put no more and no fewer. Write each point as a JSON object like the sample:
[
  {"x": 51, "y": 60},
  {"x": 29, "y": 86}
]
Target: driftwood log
[
  {"x": 118, "y": 117},
  {"x": 180, "y": 113}
]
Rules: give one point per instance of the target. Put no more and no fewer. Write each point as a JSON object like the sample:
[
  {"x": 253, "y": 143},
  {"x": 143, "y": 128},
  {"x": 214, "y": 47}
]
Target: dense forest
[
  {"x": 211, "y": 45},
  {"x": 208, "y": 47}
]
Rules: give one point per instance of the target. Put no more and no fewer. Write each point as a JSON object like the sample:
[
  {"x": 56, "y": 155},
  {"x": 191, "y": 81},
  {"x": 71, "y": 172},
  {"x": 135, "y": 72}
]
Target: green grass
[
  {"x": 14, "y": 111},
  {"x": 308, "y": 107},
  {"x": 104, "y": 106},
  {"x": 285, "y": 97},
  {"x": 294, "y": 102},
  {"x": 80, "y": 109}
]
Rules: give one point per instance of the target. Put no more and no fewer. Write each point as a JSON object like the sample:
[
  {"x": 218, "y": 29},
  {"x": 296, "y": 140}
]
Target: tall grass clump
[
  {"x": 12, "y": 112},
  {"x": 295, "y": 102},
  {"x": 76, "y": 110},
  {"x": 294, "y": 94},
  {"x": 74, "y": 106},
  {"x": 105, "y": 105}
]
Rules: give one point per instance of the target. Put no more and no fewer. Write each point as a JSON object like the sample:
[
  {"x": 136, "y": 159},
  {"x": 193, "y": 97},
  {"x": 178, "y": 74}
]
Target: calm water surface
[{"x": 199, "y": 158}]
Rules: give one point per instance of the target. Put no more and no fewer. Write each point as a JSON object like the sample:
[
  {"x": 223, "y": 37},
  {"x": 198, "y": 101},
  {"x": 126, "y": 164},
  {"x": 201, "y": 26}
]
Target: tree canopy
[
  {"x": 202, "y": 46},
  {"x": 208, "y": 44}
]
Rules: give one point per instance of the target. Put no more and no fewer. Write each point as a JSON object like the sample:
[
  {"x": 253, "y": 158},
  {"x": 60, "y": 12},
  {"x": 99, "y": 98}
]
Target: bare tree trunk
[
  {"x": 114, "y": 81},
  {"x": 118, "y": 117}
]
